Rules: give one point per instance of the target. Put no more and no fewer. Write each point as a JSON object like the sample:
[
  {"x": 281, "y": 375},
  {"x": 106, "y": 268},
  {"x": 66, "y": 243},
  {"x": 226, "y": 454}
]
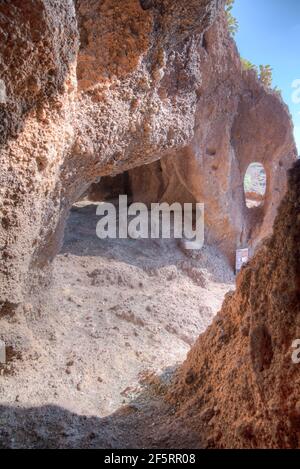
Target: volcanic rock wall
[
  {"x": 82, "y": 97},
  {"x": 37, "y": 68},
  {"x": 238, "y": 121},
  {"x": 239, "y": 387}
]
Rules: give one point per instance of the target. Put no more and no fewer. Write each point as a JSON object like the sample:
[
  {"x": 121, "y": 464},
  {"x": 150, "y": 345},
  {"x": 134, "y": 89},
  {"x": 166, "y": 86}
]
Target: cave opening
[{"x": 255, "y": 183}]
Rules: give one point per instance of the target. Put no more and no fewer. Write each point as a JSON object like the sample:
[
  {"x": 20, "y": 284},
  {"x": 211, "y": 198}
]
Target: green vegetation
[
  {"x": 266, "y": 75},
  {"x": 233, "y": 25}
]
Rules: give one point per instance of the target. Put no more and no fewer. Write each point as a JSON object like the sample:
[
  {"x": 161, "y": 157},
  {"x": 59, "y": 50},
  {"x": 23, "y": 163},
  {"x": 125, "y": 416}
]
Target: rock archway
[
  {"x": 97, "y": 89},
  {"x": 78, "y": 107},
  {"x": 255, "y": 184},
  {"x": 240, "y": 374}
]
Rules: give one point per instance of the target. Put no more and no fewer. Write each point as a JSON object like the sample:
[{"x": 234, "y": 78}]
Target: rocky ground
[{"x": 89, "y": 367}]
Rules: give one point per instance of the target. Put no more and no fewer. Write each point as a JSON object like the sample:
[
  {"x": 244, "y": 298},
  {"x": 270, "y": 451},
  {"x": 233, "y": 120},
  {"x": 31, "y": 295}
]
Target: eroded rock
[
  {"x": 238, "y": 121},
  {"x": 84, "y": 99},
  {"x": 252, "y": 377}
]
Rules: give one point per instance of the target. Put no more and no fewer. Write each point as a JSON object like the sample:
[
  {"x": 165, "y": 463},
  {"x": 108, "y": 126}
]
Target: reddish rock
[
  {"x": 83, "y": 99},
  {"x": 238, "y": 121}
]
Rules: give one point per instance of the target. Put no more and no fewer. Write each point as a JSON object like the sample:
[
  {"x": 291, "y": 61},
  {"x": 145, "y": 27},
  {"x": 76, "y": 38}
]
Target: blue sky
[{"x": 269, "y": 33}]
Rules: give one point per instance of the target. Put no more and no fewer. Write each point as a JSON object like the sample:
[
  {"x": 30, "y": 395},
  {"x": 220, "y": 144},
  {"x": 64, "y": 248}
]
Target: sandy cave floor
[{"x": 89, "y": 368}]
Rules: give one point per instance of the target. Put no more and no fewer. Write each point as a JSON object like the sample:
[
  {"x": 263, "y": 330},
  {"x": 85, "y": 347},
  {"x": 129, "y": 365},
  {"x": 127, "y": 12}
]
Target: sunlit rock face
[
  {"x": 39, "y": 43},
  {"x": 238, "y": 121},
  {"x": 239, "y": 386},
  {"x": 88, "y": 88},
  {"x": 93, "y": 89}
]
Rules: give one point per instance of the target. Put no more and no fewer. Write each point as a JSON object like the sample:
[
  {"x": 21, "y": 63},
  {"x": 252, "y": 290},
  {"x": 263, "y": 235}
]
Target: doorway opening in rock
[{"x": 255, "y": 183}]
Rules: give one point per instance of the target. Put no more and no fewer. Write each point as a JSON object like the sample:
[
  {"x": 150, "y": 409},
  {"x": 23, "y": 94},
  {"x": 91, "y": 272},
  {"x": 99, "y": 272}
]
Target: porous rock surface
[
  {"x": 239, "y": 387},
  {"x": 37, "y": 68},
  {"x": 238, "y": 121},
  {"x": 93, "y": 88}
]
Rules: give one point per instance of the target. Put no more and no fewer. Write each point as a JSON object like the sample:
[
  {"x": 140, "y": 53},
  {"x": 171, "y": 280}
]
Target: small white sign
[{"x": 2, "y": 352}]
